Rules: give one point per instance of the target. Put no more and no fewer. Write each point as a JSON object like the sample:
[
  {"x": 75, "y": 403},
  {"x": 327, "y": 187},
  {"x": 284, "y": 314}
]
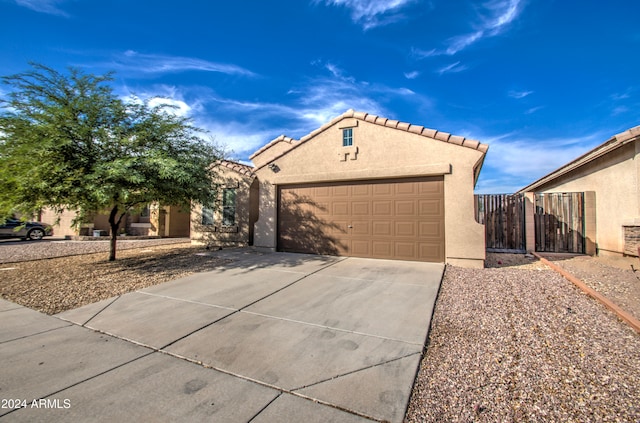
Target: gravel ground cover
[
  {"x": 58, "y": 284},
  {"x": 17, "y": 251},
  {"x": 522, "y": 344},
  {"x": 611, "y": 276}
]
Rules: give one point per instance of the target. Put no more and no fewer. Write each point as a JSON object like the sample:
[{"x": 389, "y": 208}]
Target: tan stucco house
[
  {"x": 154, "y": 221},
  {"x": 610, "y": 173},
  {"x": 360, "y": 185}
]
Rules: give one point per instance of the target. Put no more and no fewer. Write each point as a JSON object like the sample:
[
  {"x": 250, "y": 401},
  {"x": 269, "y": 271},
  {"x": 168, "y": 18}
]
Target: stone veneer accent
[{"x": 631, "y": 240}]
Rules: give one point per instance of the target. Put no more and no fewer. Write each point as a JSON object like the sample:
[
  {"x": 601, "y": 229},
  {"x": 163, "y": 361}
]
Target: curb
[{"x": 622, "y": 315}]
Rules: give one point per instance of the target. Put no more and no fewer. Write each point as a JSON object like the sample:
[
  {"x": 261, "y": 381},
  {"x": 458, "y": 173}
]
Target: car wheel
[{"x": 35, "y": 234}]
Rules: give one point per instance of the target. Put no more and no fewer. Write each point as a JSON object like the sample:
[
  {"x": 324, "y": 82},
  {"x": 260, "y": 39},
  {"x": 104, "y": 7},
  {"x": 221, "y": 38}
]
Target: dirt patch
[
  {"x": 519, "y": 261},
  {"x": 58, "y": 284}
]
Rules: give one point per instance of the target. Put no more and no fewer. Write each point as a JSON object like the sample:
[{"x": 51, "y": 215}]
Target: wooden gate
[
  {"x": 503, "y": 219},
  {"x": 559, "y": 222}
]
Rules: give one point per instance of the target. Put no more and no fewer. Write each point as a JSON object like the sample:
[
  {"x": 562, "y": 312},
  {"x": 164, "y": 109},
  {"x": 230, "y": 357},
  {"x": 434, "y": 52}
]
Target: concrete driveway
[{"x": 268, "y": 337}]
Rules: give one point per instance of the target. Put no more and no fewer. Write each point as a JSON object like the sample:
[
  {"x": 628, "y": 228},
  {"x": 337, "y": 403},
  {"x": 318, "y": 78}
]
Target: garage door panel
[
  {"x": 405, "y": 229},
  {"x": 361, "y": 191},
  {"x": 430, "y": 230},
  {"x": 340, "y": 191},
  {"x": 431, "y": 208},
  {"x": 382, "y": 190},
  {"x": 382, "y": 208},
  {"x": 431, "y": 252},
  {"x": 405, "y": 250},
  {"x": 361, "y": 248},
  {"x": 434, "y": 189},
  {"x": 409, "y": 188},
  {"x": 382, "y": 249},
  {"x": 381, "y": 228},
  {"x": 361, "y": 208},
  {"x": 340, "y": 208},
  {"x": 394, "y": 219},
  {"x": 360, "y": 228},
  {"x": 405, "y": 207}
]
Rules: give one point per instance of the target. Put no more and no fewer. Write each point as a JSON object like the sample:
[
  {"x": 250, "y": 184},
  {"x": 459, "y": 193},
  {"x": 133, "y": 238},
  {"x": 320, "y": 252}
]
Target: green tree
[{"x": 69, "y": 143}]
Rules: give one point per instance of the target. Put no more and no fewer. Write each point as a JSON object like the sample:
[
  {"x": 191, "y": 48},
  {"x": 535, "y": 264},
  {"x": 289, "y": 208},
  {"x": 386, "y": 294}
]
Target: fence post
[
  {"x": 591, "y": 247},
  {"x": 529, "y": 221}
]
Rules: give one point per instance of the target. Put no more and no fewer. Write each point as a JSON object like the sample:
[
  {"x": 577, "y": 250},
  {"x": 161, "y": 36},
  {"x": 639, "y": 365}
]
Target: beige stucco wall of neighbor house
[
  {"x": 168, "y": 221},
  {"x": 63, "y": 226},
  {"x": 380, "y": 152},
  {"x": 238, "y": 235},
  {"x": 614, "y": 179}
]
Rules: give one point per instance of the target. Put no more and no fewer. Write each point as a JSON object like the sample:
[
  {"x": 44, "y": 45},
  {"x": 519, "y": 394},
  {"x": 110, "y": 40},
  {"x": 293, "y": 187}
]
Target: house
[
  {"x": 609, "y": 175},
  {"x": 154, "y": 220},
  {"x": 230, "y": 222},
  {"x": 360, "y": 185}
]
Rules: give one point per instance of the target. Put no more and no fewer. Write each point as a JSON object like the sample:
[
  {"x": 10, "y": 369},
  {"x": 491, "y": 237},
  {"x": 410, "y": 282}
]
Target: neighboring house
[
  {"x": 230, "y": 222},
  {"x": 610, "y": 173},
  {"x": 362, "y": 186},
  {"x": 167, "y": 221}
]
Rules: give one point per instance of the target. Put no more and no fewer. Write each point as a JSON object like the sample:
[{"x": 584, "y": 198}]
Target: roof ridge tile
[{"x": 241, "y": 168}]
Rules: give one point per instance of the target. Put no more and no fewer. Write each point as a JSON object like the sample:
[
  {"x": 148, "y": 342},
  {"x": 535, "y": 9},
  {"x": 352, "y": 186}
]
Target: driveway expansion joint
[
  {"x": 86, "y": 380},
  {"x": 284, "y": 319},
  {"x": 37, "y": 333},
  {"x": 101, "y": 310},
  {"x": 356, "y": 371}
]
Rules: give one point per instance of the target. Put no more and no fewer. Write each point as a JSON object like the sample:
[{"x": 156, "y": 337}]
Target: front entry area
[{"x": 401, "y": 219}]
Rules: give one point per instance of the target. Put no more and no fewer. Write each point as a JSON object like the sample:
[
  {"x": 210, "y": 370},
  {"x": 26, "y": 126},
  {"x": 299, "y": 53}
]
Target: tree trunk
[
  {"x": 112, "y": 243},
  {"x": 114, "y": 232}
]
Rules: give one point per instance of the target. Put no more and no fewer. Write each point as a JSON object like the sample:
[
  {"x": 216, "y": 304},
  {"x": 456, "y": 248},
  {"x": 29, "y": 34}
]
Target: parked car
[{"x": 16, "y": 228}]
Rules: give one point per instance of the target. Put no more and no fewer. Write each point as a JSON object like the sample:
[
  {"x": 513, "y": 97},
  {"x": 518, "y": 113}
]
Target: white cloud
[
  {"x": 157, "y": 63},
  {"x": 619, "y": 110},
  {"x": 452, "y": 68},
  {"x": 241, "y": 138},
  {"x": 423, "y": 54},
  {"x": 171, "y": 106},
  {"x": 372, "y": 13},
  {"x": 461, "y": 42},
  {"x": 519, "y": 94},
  {"x": 49, "y": 7},
  {"x": 246, "y": 125},
  {"x": 514, "y": 162},
  {"x": 165, "y": 95},
  {"x": 492, "y": 19},
  {"x": 527, "y": 160},
  {"x": 412, "y": 74},
  {"x": 533, "y": 110}
]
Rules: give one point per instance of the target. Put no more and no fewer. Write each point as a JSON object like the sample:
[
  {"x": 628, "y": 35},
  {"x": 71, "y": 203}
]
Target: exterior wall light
[{"x": 274, "y": 167}]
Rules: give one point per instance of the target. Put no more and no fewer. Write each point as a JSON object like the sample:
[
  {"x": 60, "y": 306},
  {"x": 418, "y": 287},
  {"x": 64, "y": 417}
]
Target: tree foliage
[{"x": 68, "y": 142}]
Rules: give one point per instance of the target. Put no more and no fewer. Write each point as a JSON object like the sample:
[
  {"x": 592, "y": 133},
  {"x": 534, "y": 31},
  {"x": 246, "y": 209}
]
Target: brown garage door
[{"x": 395, "y": 219}]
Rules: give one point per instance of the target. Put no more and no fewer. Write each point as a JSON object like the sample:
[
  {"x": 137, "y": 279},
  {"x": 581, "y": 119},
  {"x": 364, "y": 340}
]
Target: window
[
  {"x": 207, "y": 215},
  {"x": 347, "y": 137},
  {"x": 228, "y": 207}
]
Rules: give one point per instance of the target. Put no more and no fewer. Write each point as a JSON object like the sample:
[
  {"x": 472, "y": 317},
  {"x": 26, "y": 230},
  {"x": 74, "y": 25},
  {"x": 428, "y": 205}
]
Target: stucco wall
[
  {"x": 614, "y": 179},
  {"x": 380, "y": 152},
  {"x": 217, "y": 234},
  {"x": 63, "y": 227}
]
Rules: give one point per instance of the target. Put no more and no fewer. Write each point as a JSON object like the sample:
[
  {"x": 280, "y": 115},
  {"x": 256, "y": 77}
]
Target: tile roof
[
  {"x": 281, "y": 138},
  {"x": 389, "y": 123},
  {"x": 237, "y": 167},
  {"x": 611, "y": 144}
]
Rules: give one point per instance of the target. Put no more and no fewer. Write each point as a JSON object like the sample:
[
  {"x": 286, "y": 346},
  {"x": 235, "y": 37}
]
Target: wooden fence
[
  {"x": 559, "y": 222},
  {"x": 503, "y": 216}
]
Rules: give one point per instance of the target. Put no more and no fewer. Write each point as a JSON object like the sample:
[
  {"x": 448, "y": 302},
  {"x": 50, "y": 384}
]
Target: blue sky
[{"x": 540, "y": 81}]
